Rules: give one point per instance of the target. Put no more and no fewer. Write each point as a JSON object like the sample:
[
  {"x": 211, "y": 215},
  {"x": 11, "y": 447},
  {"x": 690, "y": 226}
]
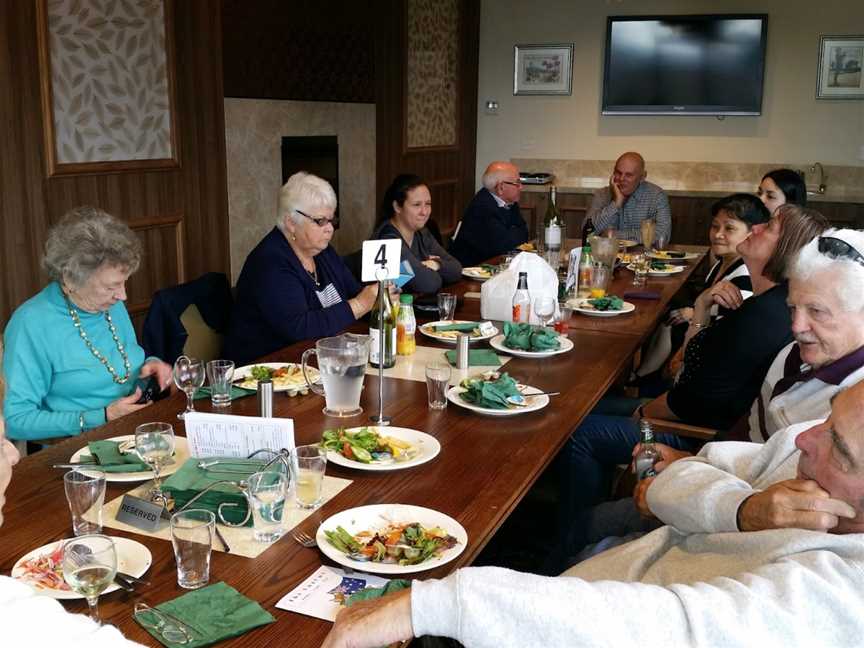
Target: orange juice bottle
[{"x": 406, "y": 326}]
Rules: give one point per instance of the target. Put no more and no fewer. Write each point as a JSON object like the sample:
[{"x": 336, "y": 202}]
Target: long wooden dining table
[{"x": 485, "y": 467}]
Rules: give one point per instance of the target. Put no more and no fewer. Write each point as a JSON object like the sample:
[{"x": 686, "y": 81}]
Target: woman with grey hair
[
  {"x": 71, "y": 356},
  {"x": 293, "y": 285}
]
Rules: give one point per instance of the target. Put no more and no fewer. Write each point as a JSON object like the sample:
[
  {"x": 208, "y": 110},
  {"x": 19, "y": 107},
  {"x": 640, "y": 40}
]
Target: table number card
[
  {"x": 225, "y": 435},
  {"x": 380, "y": 259}
]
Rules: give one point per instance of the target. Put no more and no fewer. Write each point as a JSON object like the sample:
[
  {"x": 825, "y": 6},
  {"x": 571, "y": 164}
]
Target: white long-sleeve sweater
[{"x": 785, "y": 587}]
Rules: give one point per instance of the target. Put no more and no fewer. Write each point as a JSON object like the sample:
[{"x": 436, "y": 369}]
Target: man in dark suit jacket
[{"x": 492, "y": 223}]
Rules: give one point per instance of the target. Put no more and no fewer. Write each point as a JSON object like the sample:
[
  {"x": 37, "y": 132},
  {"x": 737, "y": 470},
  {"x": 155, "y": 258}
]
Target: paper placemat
[
  {"x": 239, "y": 538},
  {"x": 413, "y": 367}
]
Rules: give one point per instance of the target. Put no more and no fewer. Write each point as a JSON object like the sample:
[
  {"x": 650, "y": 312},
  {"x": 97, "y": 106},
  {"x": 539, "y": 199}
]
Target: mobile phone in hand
[{"x": 150, "y": 390}]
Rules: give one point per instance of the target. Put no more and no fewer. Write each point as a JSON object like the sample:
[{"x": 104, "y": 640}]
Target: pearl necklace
[{"x": 73, "y": 313}]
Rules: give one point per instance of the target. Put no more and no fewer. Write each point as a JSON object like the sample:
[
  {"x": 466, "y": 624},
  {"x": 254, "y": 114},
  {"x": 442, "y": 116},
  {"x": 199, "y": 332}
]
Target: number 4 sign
[{"x": 381, "y": 259}]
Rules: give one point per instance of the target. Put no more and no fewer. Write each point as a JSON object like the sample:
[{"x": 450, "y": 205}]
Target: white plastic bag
[{"x": 496, "y": 295}]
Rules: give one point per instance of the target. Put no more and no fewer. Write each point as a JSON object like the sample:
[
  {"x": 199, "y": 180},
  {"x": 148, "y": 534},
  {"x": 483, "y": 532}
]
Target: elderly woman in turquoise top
[{"x": 71, "y": 357}]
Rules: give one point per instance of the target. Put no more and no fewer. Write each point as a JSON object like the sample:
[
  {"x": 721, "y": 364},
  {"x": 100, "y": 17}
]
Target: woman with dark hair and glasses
[
  {"x": 781, "y": 187},
  {"x": 405, "y": 211},
  {"x": 293, "y": 285}
]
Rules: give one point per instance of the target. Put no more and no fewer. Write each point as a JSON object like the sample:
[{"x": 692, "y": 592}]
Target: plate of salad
[
  {"x": 286, "y": 376},
  {"x": 608, "y": 306},
  {"x": 479, "y": 273},
  {"x": 42, "y": 568},
  {"x": 379, "y": 449},
  {"x": 391, "y": 538}
]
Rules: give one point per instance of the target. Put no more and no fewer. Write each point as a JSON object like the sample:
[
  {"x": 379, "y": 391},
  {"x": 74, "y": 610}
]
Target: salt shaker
[
  {"x": 462, "y": 350},
  {"x": 265, "y": 398}
]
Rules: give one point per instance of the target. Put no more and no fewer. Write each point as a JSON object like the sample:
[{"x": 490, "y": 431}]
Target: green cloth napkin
[
  {"x": 463, "y": 326},
  {"x": 190, "y": 480},
  {"x": 107, "y": 454},
  {"x": 491, "y": 394},
  {"x": 213, "y": 613},
  {"x": 369, "y": 593},
  {"x": 476, "y": 358},
  {"x": 236, "y": 392},
  {"x": 530, "y": 338}
]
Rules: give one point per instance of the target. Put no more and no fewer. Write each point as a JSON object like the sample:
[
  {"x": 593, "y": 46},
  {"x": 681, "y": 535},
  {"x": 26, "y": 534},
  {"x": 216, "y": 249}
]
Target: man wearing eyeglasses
[
  {"x": 492, "y": 223},
  {"x": 629, "y": 199}
]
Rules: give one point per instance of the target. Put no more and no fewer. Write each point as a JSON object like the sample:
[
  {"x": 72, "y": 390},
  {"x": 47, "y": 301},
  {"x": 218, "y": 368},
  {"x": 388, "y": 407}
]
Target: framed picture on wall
[
  {"x": 542, "y": 69},
  {"x": 840, "y": 76},
  {"x": 107, "y": 80}
]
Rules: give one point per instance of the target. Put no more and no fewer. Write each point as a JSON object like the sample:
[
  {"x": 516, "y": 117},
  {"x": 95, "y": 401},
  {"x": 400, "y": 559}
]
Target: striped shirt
[
  {"x": 648, "y": 201},
  {"x": 329, "y": 296}
]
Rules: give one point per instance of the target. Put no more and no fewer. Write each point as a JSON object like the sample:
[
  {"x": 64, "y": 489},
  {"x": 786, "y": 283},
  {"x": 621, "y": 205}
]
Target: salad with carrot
[
  {"x": 366, "y": 445},
  {"x": 403, "y": 544},
  {"x": 46, "y": 570}
]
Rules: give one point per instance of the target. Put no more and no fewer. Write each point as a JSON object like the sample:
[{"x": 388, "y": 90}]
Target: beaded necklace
[{"x": 73, "y": 313}]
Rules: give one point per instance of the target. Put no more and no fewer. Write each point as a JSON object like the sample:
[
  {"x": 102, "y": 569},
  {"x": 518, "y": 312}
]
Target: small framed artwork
[
  {"x": 840, "y": 61},
  {"x": 542, "y": 69}
]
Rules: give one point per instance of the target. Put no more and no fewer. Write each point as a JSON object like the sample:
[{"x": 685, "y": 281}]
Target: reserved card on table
[
  {"x": 225, "y": 435},
  {"x": 324, "y": 592}
]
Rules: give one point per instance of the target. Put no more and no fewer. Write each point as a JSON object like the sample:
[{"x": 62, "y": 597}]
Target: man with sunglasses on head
[
  {"x": 492, "y": 223},
  {"x": 629, "y": 199},
  {"x": 293, "y": 285}
]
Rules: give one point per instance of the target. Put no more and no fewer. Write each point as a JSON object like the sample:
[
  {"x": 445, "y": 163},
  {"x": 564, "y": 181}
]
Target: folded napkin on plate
[
  {"x": 476, "y": 358},
  {"x": 491, "y": 394},
  {"x": 190, "y": 480},
  {"x": 369, "y": 593},
  {"x": 107, "y": 454},
  {"x": 463, "y": 326},
  {"x": 236, "y": 392},
  {"x": 530, "y": 338},
  {"x": 213, "y": 613},
  {"x": 641, "y": 294}
]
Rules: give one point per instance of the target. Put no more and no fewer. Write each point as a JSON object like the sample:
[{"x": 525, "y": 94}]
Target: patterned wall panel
[
  {"x": 432, "y": 52},
  {"x": 109, "y": 80}
]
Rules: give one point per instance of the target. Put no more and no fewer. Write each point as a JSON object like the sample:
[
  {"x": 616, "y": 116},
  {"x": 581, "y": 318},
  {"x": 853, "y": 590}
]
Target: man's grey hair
[
  {"x": 846, "y": 275},
  {"x": 305, "y": 192},
  {"x": 85, "y": 239},
  {"x": 495, "y": 173}
]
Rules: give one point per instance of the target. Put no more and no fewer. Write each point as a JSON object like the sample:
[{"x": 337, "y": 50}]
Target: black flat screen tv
[{"x": 684, "y": 65}]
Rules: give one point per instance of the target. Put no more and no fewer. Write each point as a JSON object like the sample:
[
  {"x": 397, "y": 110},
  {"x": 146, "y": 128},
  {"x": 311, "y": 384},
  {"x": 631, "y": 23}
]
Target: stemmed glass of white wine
[
  {"x": 188, "y": 376},
  {"x": 544, "y": 308},
  {"x": 154, "y": 443},
  {"x": 89, "y": 567}
]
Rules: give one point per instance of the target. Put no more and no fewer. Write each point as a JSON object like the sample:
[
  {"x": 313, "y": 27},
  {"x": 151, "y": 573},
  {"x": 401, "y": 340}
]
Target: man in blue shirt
[
  {"x": 629, "y": 199},
  {"x": 492, "y": 223}
]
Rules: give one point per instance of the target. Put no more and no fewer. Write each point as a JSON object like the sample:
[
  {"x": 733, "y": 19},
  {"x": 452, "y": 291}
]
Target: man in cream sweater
[{"x": 700, "y": 582}]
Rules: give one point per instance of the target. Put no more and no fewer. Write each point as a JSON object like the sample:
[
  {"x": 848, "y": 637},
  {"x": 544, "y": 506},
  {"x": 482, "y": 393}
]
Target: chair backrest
[
  {"x": 202, "y": 341},
  {"x": 354, "y": 261}
]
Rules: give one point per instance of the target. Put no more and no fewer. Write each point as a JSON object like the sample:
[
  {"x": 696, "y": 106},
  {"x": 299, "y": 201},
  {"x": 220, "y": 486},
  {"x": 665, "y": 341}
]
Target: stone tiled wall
[
  {"x": 253, "y": 133},
  {"x": 843, "y": 182}
]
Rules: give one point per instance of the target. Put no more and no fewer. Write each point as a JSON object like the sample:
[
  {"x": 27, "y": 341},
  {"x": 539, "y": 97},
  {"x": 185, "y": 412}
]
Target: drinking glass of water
[
  {"x": 267, "y": 500},
  {"x": 188, "y": 376},
  {"x": 220, "y": 373},
  {"x": 85, "y": 493},
  {"x": 437, "y": 382},
  {"x": 154, "y": 443},
  {"x": 446, "y": 306},
  {"x": 192, "y": 538},
  {"x": 89, "y": 567},
  {"x": 311, "y": 463}
]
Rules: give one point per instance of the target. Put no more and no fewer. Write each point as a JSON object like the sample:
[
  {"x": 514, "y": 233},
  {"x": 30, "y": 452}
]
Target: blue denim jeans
[{"x": 586, "y": 466}]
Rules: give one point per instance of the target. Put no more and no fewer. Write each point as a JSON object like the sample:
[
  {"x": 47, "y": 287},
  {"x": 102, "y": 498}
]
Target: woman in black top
[{"x": 405, "y": 210}]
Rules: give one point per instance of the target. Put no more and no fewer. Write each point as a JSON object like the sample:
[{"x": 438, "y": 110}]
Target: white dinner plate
[
  {"x": 581, "y": 306},
  {"x": 133, "y": 558},
  {"x": 427, "y": 446},
  {"x": 669, "y": 270},
  {"x": 476, "y": 273},
  {"x": 429, "y": 331},
  {"x": 181, "y": 454},
  {"x": 293, "y": 384},
  {"x": 533, "y": 403},
  {"x": 378, "y": 516},
  {"x": 497, "y": 343},
  {"x": 688, "y": 256}
]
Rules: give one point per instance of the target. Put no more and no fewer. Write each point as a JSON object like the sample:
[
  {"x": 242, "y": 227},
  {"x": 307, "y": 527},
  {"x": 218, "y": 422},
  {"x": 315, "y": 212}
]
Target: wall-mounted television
[{"x": 684, "y": 65}]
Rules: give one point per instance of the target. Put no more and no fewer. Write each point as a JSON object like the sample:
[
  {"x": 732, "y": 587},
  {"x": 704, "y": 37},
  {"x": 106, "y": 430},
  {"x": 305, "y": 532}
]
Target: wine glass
[
  {"x": 188, "y": 376},
  {"x": 89, "y": 567},
  {"x": 154, "y": 443},
  {"x": 544, "y": 307}
]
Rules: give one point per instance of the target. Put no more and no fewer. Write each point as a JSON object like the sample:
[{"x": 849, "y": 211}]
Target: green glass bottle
[{"x": 380, "y": 317}]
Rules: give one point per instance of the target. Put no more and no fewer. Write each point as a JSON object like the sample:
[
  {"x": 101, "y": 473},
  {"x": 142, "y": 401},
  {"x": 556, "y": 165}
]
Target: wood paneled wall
[
  {"x": 180, "y": 214},
  {"x": 449, "y": 171}
]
